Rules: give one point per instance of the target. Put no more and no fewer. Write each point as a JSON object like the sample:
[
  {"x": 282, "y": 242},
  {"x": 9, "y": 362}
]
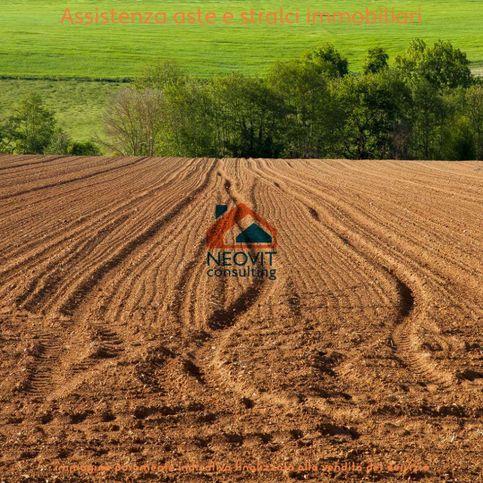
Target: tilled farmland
[{"x": 122, "y": 359}]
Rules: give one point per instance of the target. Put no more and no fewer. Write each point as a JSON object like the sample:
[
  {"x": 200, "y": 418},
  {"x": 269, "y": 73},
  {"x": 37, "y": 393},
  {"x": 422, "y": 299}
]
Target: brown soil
[{"x": 118, "y": 349}]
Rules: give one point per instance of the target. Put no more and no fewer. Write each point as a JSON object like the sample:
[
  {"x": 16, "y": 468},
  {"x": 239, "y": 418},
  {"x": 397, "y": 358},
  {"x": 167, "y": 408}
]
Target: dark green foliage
[
  {"x": 375, "y": 111},
  {"x": 247, "y": 117},
  {"x": 473, "y": 109},
  {"x": 377, "y": 60},
  {"x": 328, "y": 61},
  {"x": 429, "y": 114},
  {"x": 84, "y": 149}
]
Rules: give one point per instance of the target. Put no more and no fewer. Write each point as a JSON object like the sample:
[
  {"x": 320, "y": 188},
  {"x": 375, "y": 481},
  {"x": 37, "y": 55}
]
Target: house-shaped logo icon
[{"x": 259, "y": 234}]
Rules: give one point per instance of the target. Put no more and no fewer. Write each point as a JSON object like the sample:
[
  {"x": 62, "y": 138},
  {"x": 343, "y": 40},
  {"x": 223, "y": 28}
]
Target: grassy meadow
[{"x": 36, "y": 45}]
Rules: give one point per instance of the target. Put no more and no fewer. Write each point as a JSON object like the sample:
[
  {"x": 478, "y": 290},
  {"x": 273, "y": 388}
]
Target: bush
[{"x": 84, "y": 149}]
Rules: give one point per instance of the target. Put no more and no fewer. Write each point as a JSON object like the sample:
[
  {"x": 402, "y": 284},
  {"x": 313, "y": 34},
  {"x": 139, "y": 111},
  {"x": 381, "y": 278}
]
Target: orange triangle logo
[{"x": 258, "y": 235}]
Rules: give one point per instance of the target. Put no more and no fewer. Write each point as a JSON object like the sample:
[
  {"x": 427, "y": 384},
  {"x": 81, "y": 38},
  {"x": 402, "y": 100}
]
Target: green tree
[
  {"x": 304, "y": 91},
  {"x": 189, "y": 116},
  {"x": 247, "y": 116},
  {"x": 377, "y": 60},
  {"x": 376, "y": 111},
  {"x": 429, "y": 114},
  {"x": 31, "y": 127},
  {"x": 442, "y": 65},
  {"x": 328, "y": 61}
]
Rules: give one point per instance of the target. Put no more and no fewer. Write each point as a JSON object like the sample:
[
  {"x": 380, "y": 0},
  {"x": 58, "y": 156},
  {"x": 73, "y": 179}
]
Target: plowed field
[{"x": 117, "y": 348}]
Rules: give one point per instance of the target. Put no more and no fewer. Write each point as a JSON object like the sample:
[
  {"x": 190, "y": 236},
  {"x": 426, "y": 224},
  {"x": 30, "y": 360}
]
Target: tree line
[{"x": 424, "y": 105}]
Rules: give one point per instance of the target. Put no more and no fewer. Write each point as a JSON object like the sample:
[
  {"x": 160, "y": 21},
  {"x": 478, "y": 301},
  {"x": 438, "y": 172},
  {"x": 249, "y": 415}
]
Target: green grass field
[{"x": 36, "y": 45}]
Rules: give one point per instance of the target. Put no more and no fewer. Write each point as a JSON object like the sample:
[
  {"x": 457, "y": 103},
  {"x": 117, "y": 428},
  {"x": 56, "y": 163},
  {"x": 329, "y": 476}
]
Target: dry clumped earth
[{"x": 118, "y": 350}]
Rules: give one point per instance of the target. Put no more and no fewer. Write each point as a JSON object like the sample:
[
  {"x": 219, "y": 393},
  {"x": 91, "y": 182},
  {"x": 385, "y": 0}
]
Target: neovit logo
[{"x": 241, "y": 243}]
